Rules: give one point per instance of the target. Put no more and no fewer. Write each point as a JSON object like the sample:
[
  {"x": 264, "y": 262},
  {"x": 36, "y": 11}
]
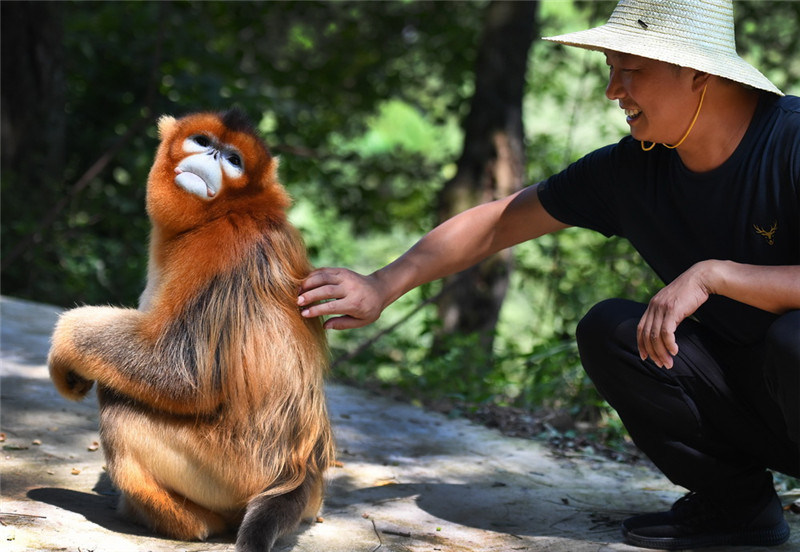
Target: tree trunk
[
  {"x": 33, "y": 121},
  {"x": 491, "y": 166}
]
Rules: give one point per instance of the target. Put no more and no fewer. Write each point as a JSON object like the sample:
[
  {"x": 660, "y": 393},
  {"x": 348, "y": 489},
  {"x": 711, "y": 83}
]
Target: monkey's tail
[{"x": 268, "y": 517}]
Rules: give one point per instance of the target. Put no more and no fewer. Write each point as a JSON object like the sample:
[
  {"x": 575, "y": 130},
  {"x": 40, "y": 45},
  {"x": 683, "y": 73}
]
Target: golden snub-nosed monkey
[{"x": 212, "y": 413}]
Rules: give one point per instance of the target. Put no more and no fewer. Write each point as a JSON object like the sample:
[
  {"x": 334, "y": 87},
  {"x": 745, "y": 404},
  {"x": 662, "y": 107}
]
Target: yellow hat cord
[{"x": 691, "y": 126}]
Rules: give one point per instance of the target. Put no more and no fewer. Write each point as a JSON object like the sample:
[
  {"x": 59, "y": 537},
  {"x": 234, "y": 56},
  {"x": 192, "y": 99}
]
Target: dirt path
[{"x": 410, "y": 480}]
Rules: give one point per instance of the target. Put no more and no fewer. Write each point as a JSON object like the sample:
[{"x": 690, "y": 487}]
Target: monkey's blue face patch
[{"x": 209, "y": 162}]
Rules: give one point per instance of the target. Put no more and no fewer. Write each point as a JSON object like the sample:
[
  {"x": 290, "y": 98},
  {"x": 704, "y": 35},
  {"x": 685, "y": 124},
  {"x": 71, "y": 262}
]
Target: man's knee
[
  {"x": 607, "y": 333},
  {"x": 783, "y": 338},
  {"x": 608, "y": 322}
]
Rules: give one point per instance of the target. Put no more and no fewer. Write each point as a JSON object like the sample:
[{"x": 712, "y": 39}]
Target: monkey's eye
[
  {"x": 233, "y": 162},
  {"x": 201, "y": 140}
]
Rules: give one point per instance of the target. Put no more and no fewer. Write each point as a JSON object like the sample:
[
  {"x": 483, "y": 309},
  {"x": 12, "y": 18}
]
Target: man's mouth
[{"x": 633, "y": 114}]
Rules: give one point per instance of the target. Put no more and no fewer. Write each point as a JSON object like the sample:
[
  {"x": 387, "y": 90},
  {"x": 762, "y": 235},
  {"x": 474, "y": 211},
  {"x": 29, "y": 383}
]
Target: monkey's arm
[{"x": 111, "y": 346}]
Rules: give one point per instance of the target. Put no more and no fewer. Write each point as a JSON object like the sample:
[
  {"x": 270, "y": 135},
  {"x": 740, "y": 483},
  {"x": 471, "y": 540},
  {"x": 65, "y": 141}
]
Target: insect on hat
[{"x": 689, "y": 33}]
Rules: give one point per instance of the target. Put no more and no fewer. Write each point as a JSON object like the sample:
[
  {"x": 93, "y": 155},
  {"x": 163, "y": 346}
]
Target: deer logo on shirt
[{"x": 769, "y": 235}]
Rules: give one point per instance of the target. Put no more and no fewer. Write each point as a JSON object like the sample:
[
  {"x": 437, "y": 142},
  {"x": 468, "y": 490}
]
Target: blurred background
[{"x": 388, "y": 117}]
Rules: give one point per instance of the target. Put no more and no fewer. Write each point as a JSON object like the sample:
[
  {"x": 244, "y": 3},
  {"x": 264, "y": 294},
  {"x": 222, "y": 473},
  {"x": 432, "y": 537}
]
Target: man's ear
[{"x": 699, "y": 80}]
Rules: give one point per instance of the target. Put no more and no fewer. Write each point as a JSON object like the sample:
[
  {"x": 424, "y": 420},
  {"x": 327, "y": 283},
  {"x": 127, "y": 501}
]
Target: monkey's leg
[
  {"x": 145, "y": 464},
  {"x": 270, "y": 517},
  {"x": 163, "y": 511}
]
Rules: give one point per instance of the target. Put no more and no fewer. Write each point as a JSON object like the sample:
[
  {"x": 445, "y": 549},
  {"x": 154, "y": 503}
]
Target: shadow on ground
[{"x": 409, "y": 480}]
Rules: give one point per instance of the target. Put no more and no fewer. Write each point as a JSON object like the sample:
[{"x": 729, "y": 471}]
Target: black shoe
[{"x": 696, "y": 522}]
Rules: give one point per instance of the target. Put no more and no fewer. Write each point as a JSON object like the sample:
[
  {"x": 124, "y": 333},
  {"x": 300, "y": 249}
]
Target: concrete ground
[{"x": 410, "y": 480}]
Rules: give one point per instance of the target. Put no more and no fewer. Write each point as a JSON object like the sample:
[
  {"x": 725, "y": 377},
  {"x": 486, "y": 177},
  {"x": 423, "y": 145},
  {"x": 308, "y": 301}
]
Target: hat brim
[{"x": 670, "y": 50}]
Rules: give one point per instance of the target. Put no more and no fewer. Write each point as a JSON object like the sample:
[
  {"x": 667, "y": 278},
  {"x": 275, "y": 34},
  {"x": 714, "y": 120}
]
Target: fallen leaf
[
  {"x": 36, "y": 442},
  {"x": 94, "y": 446},
  {"x": 76, "y": 471},
  {"x": 384, "y": 482}
]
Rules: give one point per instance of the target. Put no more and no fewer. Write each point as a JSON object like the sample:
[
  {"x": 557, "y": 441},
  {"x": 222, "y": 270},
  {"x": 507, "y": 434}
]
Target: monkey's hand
[
  {"x": 69, "y": 383},
  {"x": 67, "y": 378},
  {"x": 72, "y": 359}
]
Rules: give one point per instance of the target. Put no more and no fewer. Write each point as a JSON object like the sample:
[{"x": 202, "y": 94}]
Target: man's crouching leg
[{"x": 691, "y": 422}]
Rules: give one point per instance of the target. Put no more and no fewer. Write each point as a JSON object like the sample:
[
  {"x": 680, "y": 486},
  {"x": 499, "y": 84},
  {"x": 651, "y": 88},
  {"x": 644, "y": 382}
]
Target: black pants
[{"x": 720, "y": 417}]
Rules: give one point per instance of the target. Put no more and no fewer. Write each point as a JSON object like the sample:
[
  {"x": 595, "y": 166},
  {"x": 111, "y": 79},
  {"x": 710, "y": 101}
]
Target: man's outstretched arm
[{"x": 355, "y": 300}]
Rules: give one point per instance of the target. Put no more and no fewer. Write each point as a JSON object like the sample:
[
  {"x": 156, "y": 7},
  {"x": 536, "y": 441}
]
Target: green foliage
[
  {"x": 313, "y": 74},
  {"x": 362, "y": 101}
]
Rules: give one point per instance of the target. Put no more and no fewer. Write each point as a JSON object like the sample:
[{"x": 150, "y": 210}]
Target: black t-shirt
[{"x": 746, "y": 210}]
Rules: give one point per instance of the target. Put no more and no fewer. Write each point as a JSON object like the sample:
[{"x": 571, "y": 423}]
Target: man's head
[
  {"x": 697, "y": 34},
  {"x": 659, "y": 98}
]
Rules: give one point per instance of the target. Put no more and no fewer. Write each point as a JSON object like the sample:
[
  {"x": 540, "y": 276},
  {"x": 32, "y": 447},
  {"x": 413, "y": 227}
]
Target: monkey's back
[{"x": 240, "y": 344}]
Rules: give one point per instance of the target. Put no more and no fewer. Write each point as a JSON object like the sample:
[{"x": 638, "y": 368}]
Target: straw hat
[{"x": 690, "y": 33}]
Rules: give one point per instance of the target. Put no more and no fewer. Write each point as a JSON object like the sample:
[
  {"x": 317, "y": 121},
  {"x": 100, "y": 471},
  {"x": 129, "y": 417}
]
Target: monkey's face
[{"x": 209, "y": 166}]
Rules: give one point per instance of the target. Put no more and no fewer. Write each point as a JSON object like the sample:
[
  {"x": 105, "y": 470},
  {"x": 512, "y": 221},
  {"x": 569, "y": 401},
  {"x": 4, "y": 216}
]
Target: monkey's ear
[
  {"x": 166, "y": 124},
  {"x": 273, "y": 168}
]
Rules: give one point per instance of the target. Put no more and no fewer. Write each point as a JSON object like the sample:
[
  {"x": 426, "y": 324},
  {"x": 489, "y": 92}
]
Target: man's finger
[
  {"x": 326, "y": 308},
  {"x": 641, "y": 331},
  {"x": 319, "y": 278},
  {"x": 648, "y": 328},
  {"x": 321, "y": 293},
  {"x": 653, "y": 337}
]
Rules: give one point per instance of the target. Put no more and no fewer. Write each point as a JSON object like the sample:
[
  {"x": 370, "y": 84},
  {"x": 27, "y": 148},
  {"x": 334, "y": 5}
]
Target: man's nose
[{"x": 614, "y": 90}]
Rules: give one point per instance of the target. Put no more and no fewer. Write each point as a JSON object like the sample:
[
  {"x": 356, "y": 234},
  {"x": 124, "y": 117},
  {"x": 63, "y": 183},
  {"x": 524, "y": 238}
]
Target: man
[{"x": 706, "y": 377}]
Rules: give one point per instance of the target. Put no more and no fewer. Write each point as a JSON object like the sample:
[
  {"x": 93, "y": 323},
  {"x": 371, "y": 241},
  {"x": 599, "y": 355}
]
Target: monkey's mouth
[{"x": 195, "y": 184}]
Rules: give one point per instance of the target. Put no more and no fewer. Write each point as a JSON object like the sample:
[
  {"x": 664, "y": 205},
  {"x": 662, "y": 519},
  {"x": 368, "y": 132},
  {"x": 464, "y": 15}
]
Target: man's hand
[
  {"x": 655, "y": 334},
  {"x": 355, "y": 300}
]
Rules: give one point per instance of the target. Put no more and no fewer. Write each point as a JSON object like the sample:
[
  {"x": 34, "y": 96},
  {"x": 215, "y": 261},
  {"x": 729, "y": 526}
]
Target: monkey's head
[{"x": 210, "y": 165}]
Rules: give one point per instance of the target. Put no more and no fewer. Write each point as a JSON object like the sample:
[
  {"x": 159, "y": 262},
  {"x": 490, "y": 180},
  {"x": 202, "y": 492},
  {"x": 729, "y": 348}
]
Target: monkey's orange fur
[{"x": 211, "y": 393}]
